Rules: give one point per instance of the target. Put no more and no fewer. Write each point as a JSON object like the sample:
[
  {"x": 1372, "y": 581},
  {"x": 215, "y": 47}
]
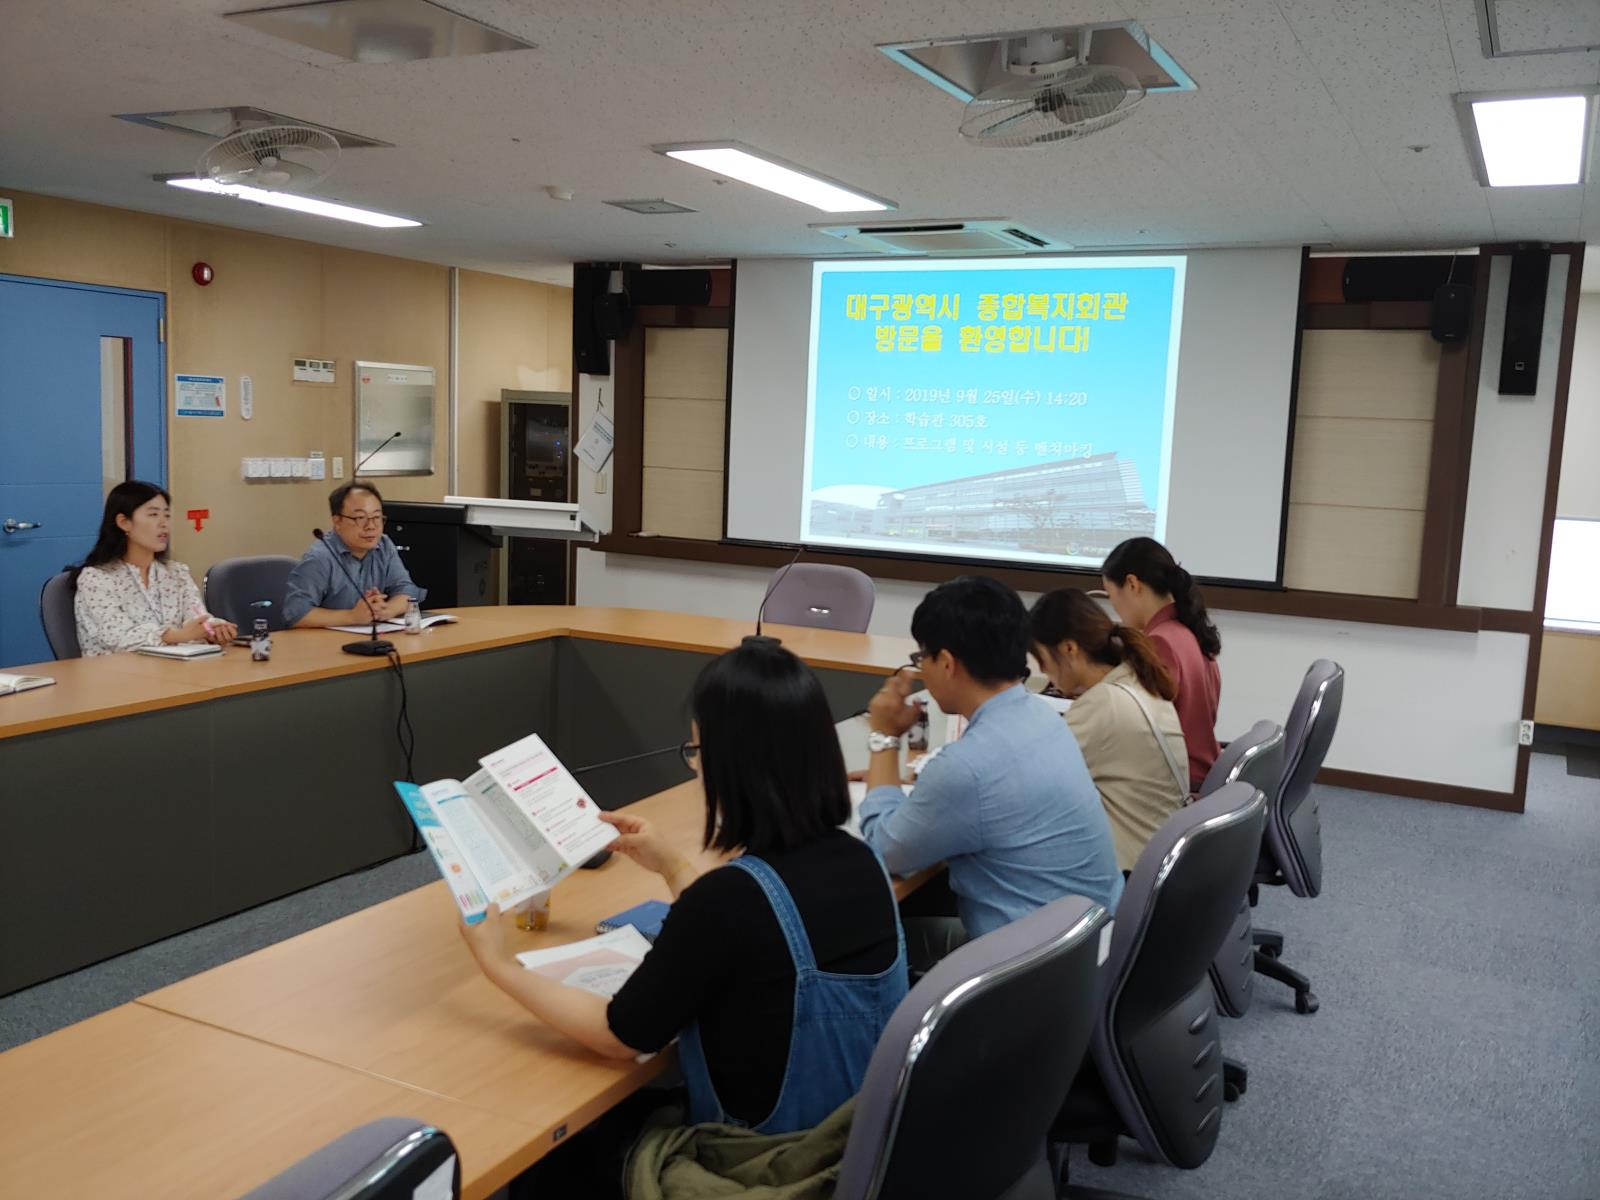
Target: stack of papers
[
  {"x": 23, "y": 683},
  {"x": 599, "y": 964}
]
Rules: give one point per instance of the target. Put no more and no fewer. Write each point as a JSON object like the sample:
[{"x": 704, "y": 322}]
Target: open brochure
[
  {"x": 429, "y": 619},
  {"x": 510, "y": 830},
  {"x": 599, "y": 964}
]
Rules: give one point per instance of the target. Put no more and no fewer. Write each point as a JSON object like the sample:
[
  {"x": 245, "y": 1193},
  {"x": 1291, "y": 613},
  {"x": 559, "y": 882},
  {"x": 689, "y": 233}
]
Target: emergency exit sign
[{"x": 5, "y": 218}]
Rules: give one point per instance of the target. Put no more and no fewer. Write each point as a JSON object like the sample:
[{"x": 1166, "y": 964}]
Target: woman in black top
[{"x": 777, "y": 968}]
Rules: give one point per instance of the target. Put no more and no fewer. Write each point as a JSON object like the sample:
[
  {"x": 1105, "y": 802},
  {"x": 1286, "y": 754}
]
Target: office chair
[
  {"x": 1257, "y": 759},
  {"x": 972, "y": 1067},
  {"x": 242, "y": 589},
  {"x": 1155, "y": 1066},
  {"x": 56, "y": 615},
  {"x": 387, "y": 1159},
  {"x": 1292, "y": 855},
  {"x": 822, "y": 597}
]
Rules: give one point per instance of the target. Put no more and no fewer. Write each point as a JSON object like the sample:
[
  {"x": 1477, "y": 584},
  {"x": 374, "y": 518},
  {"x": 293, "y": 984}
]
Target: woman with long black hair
[
  {"x": 1152, "y": 593},
  {"x": 127, "y": 593}
]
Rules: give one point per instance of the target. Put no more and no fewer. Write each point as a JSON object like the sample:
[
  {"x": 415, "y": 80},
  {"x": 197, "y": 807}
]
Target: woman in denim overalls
[{"x": 762, "y": 741}]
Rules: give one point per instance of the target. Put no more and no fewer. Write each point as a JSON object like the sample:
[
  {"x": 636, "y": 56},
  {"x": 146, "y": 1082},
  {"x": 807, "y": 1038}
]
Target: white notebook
[
  {"x": 181, "y": 650},
  {"x": 23, "y": 683}
]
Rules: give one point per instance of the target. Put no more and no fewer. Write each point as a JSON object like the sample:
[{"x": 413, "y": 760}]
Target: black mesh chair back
[
  {"x": 973, "y": 1066},
  {"x": 393, "y": 1158},
  {"x": 822, "y": 596},
  {"x": 1256, "y": 759},
  {"x": 243, "y": 589},
  {"x": 1157, "y": 1046},
  {"x": 1294, "y": 832},
  {"x": 56, "y": 615}
]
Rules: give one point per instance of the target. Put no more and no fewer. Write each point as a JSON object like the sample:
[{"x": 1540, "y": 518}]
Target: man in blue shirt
[
  {"x": 1009, "y": 806},
  {"x": 319, "y": 593}
]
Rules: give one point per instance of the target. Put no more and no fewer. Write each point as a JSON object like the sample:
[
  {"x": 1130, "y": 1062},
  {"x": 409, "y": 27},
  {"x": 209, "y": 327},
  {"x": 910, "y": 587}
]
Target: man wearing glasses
[{"x": 319, "y": 594}]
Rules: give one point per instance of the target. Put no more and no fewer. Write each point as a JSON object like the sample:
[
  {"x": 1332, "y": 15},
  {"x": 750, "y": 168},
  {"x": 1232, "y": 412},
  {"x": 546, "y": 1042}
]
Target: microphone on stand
[
  {"x": 356, "y": 474},
  {"x": 758, "y": 638},
  {"x": 375, "y": 647}
]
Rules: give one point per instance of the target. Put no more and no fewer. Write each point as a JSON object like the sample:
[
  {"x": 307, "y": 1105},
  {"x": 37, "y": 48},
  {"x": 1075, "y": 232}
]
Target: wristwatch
[{"x": 881, "y": 741}]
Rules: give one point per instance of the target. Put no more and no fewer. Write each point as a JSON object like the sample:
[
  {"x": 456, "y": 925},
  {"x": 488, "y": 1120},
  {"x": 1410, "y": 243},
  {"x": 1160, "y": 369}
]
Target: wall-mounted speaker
[
  {"x": 1519, "y": 349},
  {"x": 1452, "y": 313},
  {"x": 591, "y": 349}
]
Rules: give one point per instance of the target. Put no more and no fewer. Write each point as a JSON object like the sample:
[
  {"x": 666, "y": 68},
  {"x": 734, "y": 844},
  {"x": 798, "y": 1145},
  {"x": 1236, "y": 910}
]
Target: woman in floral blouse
[{"x": 128, "y": 594}]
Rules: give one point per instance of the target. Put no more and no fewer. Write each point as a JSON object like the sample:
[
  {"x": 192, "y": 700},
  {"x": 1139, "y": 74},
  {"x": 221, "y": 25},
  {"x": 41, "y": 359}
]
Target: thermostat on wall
[{"x": 313, "y": 370}]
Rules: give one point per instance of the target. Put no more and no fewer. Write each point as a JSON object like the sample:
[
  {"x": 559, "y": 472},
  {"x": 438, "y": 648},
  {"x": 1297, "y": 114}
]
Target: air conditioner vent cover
[{"x": 988, "y": 235}]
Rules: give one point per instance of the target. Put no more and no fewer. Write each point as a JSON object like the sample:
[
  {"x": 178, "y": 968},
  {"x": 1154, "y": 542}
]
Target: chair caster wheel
[
  {"x": 1269, "y": 951},
  {"x": 1306, "y": 1003},
  {"x": 1231, "y": 1092}
]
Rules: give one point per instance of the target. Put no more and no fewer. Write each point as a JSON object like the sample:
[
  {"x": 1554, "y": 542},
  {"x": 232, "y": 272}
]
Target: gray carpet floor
[{"x": 1456, "y": 1055}]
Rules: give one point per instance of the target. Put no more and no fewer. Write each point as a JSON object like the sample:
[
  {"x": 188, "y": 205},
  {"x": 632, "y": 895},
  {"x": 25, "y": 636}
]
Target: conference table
[
  {"x": 144, "y": 796},
  {"x": 207, "y": 1087}
]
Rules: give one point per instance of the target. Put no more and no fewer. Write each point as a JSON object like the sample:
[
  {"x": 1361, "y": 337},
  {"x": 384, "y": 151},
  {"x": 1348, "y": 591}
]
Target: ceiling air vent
[{"x": 991, "y": 235}]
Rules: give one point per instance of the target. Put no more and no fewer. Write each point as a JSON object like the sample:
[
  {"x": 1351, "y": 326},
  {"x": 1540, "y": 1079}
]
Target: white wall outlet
[
  {"x": 1524, "y": 733},
  {"x": 600, "y": 483},
  {"x": 338, "y": 466}
]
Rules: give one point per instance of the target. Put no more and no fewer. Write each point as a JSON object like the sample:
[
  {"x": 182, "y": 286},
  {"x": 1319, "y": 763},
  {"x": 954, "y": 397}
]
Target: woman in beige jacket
[{"x": 1121, "y": 714}]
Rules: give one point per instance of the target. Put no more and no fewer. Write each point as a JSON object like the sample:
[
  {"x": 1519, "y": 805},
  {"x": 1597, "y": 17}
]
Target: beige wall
[
  {"x": 514, "y": 334},
  {"x": 275, "y": 299},
  {"x": 1569, "y": 680}
]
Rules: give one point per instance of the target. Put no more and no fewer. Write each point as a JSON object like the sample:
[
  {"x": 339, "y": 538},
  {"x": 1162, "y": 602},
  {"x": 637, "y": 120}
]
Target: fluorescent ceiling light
[
  {"x": 305, "y": 204},
  {"x": 759, "y": 170},
  {"x": 1534, "y": 141}
]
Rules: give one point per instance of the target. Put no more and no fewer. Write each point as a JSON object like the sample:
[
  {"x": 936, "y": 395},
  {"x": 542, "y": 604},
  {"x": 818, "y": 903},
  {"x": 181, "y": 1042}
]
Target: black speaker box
[
  {"x": 1519, "y": 350},
  {"x": 669, "y": 287},
  {"x": 1452, "y": 313},
  {"x": 590, "y": 348},
  {"x": 1403, "y": 276}
]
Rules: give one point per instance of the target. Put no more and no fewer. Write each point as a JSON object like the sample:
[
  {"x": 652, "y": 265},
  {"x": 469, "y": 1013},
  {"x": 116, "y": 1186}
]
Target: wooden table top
[
  {"x": 95, "y": 689},
  {"x": 393, "y": 991},
  {"x": 137, "y": 1104}
]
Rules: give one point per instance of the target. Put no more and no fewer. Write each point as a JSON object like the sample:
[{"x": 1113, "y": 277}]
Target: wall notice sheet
[
  {"x": 509, "y": 831},
  {"x": 201, "y": 395}
]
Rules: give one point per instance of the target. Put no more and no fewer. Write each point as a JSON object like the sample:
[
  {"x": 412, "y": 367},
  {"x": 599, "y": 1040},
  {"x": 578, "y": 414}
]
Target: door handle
[{"x": 14, "y": 526}]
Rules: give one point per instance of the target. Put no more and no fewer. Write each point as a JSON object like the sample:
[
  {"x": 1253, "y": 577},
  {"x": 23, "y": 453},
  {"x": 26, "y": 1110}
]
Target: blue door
[{"x": 81, "y": 406}]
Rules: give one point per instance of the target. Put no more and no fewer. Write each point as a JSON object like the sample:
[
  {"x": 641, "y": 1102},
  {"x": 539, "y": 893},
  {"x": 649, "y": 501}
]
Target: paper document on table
[
  {"x": 858, "y": 793},
  {"x": 599, "y": 964},
  {"x": 428, "y": 621},
  {"x": 546, "y": 793}
]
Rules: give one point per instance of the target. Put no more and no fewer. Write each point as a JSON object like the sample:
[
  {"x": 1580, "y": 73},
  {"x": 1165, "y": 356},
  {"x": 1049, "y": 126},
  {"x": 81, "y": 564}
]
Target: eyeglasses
[
  {"x": 689, "y": 751},
  {"x": 364, "y": 520},
  {"x": 918, "y": 657}
]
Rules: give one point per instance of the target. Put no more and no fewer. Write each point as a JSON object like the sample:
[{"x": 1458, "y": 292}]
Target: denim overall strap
[{"x": 835, "y": 1026}]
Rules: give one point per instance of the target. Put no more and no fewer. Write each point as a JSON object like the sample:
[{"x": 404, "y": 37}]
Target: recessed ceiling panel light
[
  {"x": 763, "y": 171},
  {"x": 304, "y": 204},
  {"x": 1530, "y": 141}
]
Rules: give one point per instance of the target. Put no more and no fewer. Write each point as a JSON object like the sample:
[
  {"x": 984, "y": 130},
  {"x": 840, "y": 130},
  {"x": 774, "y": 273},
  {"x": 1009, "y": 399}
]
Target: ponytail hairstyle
[
  {"x": 1153, "y": 565},
  {"x": 1068, "y": 615},
  {"x": 111, "y": 543}
]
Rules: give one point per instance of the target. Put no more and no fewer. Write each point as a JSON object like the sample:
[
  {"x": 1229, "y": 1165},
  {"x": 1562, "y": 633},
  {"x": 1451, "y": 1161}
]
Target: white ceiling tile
[{"x": 1299, "y": 130}]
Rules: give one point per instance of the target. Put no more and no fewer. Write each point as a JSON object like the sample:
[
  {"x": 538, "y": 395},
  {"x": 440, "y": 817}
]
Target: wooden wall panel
[
  {"x": 1362, "y": 551},
  {"x": 686, "y": 363},
  {"x": 685, "y": 434},
  {"x": 1569, "y": 680},
  {"x": 683, "y": 503},
  {"x": 1362, "y": 448},
  {"x": 1361, "y": 462},
  {"x": 1368, "y": 373}
]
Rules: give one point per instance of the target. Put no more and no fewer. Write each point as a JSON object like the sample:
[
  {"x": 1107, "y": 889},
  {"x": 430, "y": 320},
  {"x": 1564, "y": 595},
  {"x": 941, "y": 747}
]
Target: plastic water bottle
[
  {"x": 260, "y": 641},
  {"x": 413, "y": 616}
]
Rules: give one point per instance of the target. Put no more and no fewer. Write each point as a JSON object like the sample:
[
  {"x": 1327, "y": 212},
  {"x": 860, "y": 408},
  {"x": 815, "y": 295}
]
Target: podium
[{"x": 528, "y": 518}]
